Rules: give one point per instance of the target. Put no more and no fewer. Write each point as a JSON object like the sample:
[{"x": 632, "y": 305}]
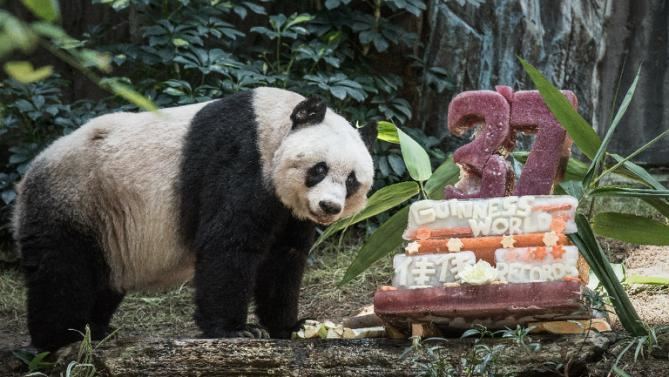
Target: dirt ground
[{"x": 169, "y": 314}]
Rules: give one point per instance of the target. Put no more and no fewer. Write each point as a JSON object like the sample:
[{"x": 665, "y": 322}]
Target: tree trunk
[{"x": 367, "y": 357}]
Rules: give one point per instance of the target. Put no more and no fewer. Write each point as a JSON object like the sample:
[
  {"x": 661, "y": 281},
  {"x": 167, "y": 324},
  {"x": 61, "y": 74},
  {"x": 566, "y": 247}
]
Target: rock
[
  {"x": 637, "y": 33},
  {"x": 478, "y": 46},
  {"x": 579, "y": 45}
]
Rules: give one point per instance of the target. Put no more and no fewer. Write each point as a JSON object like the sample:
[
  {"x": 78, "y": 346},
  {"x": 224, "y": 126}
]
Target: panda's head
[{"x": 322, "y": 170}]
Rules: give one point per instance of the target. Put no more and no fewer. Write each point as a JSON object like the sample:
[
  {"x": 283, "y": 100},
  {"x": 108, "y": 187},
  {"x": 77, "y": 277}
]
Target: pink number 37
[{"x": 501, "y": 114}]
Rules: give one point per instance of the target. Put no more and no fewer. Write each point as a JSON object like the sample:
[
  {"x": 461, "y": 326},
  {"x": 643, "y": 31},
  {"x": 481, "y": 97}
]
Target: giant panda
[{"x": 227, "y": 192}]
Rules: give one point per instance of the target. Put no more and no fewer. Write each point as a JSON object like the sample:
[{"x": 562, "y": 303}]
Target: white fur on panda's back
[{"x": 120, "y": 171}]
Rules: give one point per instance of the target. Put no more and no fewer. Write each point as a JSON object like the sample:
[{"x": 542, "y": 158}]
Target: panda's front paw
[
  {"x": 250, "y": 330},
  {"x": 286, "y": 333}
]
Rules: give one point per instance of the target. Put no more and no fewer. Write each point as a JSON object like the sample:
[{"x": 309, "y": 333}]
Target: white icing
[
  {"x": 430, "y": 270},
  {"x": 494, "y": 216},
  {"x": 480, "y": 273},
  {"x": 523, "y": 269},
  {"x": 435, "y": 270}
]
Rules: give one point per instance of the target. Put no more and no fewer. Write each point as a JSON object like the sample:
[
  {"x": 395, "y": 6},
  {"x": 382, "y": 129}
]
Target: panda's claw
[
  {"x": 250, "y": 331},
  {"x": 258, "y": 331},
  {"x": 245, "y": 334}
]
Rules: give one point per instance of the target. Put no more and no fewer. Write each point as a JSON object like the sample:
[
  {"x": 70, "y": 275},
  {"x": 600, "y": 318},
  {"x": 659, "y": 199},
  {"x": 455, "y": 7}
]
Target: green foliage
[
  {"x": 625, "y": 227},
  {"x": 416, "y": 159},
  {"x": 191, "y": 51},
  {"x": 599, "y": 156},
  {"x": 24, "y": 72},
  {"x": 386, "y": 239},
  {"x": 45, "y": 9},
  {"x": 643, "y": 345},
  {"x": 642, "y": 279},
  {"x": 84, "y": 365},
  {"x": 632, "y": 228},
  {"x": 34, "y": 362},
  {"x": 430, "y": 356}
]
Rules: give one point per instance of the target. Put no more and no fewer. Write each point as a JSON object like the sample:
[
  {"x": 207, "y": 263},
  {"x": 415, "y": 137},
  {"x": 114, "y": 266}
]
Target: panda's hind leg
[
  {"x": 277, "y": 288},
  {"x": 65, "y": 273},
  {"x": 107, "y": 300}
]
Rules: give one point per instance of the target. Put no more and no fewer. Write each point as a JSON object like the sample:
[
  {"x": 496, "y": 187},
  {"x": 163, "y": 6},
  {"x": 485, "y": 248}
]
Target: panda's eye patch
[
  {"x": 316, "y": 173},
  {"x": 352, "y": 184}
]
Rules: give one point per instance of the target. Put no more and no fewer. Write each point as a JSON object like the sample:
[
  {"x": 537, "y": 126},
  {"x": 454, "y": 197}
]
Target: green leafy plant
[
  {"x": 16, "y": 34},
  {"x": 84, "y": 365},
  {"x": 626, "y": 227},
  {"x": 430, "y": 356},
  {"x": 34, "y": 362},
  {"x": 521, "y": 338},
  {"x": 187, "y": 51},
  {"x": 643, "y": 346},
  {"x": 429, "y": 360}
]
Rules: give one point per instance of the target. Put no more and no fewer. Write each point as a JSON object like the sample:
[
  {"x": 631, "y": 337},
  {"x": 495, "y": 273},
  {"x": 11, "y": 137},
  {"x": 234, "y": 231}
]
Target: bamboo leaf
[
  {"x": 381, "y": 201},
  {"x": 628, "y": 192},
  {"x": 589, "y": 247},
  {"x": 129, "y": 94},
  {"x": 641, "y": 279},
  {"x": 598, "y": 160},
  {"x": 639, "y": 172},
  {"x": 47, "y": 10},
  {"x": 576, "y": 170},
  {"x": 24, "y": 72},
  {"x": 447, "y": 173},
  {"x": 384, "y": 241},
  {"x": 633, "y": 154},
  {"x": 660, "y": 205},
  {"x": 573, "y": 188},
  {"x": 415, "y": 158},
  {"x": 387, "y": 132},
  {"x": 619, "y": 372},
  {"x": 300, "y": 19},
  {"x": 631, "y": 228},
  {"x": 579, "y": 129}
]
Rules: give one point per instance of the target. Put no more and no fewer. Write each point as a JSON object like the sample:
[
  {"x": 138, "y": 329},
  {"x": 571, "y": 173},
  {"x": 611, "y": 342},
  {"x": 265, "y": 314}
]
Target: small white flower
[
  {"x": 550, "y": 239},
  {"x": 454, "y": 245},
  {"x": 480, "y": 273},
  {"x": 508, "y": 241},
  {"x": 412, "y": 248}
]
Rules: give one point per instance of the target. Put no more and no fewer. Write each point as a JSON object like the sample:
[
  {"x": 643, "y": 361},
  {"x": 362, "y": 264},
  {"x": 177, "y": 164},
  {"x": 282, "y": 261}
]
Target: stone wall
[
  {"x": 583, "y": 45},
  {"x": 638, "y": 34}
]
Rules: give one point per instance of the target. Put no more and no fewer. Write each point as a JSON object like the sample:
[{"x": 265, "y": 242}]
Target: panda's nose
[{"x": 329, "y": 207}]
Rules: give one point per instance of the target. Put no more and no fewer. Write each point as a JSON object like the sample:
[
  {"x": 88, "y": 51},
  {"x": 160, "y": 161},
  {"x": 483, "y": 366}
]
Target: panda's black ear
[
  {"x": 309, "y": 111},
  {"x": 369, "y": 134}
]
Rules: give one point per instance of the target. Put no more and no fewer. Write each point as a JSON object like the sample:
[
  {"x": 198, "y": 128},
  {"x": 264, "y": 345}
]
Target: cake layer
[
  {"x": 432, "y": 270},
  {"x": 488, "y": 244},
  {"x": 491, "y": 305},
  {"x": 493, "y": 216},
  {"x": 513, "y": 265},
  {"x": 533, "y": 264}
]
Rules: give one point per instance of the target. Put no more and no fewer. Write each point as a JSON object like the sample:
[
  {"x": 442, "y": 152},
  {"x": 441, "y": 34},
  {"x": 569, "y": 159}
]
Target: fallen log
[{"x": 364, "y": 357}]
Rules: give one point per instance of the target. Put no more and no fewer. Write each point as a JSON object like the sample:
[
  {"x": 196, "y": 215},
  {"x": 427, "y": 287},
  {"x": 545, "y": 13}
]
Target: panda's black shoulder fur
[
  {"x": 247, "y": 243},
  {"x": 221, "y": 166}
]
